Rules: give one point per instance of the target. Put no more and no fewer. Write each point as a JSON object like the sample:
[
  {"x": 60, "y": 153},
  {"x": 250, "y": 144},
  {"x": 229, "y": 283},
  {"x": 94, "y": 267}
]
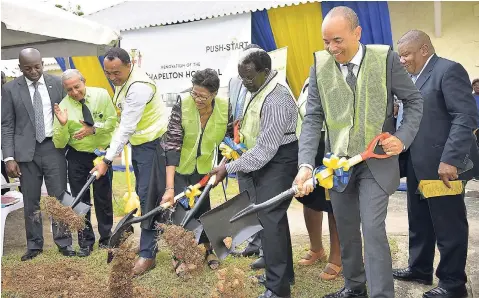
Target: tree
[{"x": 75, "y": 10}]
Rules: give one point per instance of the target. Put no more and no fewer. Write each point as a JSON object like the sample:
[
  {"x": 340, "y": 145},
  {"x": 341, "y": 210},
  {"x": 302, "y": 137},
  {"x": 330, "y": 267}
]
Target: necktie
[
  {"x": 87, "y": 118},
  {"x": 414, "y": 78},
  {"x": 351, "y": 78},
  {"x": 38, "y": 110}
]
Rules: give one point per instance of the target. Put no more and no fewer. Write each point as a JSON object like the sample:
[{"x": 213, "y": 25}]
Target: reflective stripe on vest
[
  {"x": 353, "y": 120},
  {"x": 250, "y": 124},
  {"x": 213, "y": 134},
  {"x": 153, "y": 122}
]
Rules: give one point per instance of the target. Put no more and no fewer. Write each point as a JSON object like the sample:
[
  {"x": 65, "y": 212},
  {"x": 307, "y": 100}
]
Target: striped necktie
[
  {"x": 351, "y": 78},
  {"x": 38, "y": 110}
]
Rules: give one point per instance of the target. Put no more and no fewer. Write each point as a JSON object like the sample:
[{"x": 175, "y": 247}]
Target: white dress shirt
[
  {"x": 356, "y": 61},
  {"x": 47, "y": 104},
  {"x": 134, "y": 105}
]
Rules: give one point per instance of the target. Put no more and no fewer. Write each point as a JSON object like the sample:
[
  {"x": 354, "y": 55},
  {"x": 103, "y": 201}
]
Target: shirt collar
[
  {"x": 41, "y": 80},
  {"x": 423, "y": 67},
  {"x": 356, "y": 60}
]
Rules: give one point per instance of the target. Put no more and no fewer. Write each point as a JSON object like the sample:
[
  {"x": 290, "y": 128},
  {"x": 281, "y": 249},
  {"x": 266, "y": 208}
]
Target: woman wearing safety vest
[{"x": 198, "y": 124}]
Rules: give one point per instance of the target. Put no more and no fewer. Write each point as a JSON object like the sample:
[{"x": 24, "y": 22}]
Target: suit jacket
[
  {"x": 385, "y": 171},
  {"x": 449, "y": 118},
  {"x": 18, "y": 117}
]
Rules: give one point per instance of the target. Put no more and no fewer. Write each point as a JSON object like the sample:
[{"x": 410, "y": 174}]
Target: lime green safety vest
[
  {"x": 213, "y": 134},
  {"x": 252, "y": 113},
  {"x": 353, "y": 120},
  {"x": 153, "y": 122}
]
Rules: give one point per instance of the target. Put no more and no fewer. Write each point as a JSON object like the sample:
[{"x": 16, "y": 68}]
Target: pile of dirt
[
  {"x": 68, "y": 278},
  {"x": 121, "y": 274},
  {"x": 62, "y": 214},
  {"x": 231, "y": 283},
  {"x": 184, "y": 248},
  {"x": 65, "y": 279}
]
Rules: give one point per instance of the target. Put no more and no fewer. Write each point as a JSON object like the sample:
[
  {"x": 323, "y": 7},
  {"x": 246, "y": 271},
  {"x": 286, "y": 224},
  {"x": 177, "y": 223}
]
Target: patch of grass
[{"x": 163, "y": 282}]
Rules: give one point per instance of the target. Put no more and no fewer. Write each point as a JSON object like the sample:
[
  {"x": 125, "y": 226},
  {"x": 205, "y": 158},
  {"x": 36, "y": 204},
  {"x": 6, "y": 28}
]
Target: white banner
[
  {"x": 279, "y": 58},
  {"x": 171, "y": 54}
]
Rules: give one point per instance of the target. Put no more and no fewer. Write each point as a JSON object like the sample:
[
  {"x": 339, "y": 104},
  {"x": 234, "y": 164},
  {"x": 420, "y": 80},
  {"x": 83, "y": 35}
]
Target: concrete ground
[{"x": 396, "y": 225}]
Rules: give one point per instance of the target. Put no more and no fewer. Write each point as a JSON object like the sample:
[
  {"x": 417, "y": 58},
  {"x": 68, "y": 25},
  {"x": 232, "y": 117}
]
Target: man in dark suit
[
  {"x": 352, "y": 90},
  {"x": 441, "y": 149},
  {"x": 27, "y": 146}
]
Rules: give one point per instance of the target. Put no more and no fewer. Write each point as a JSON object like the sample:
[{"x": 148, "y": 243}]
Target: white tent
[{"x": 53, "y": 31}]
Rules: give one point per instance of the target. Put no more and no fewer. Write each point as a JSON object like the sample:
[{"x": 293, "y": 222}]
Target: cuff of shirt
[
  {"x": 8, "y": 159},
  {"x": 232, "y": 167},
  {"x": 304, "y": 165},
  {"x": 172, "y": 158}
]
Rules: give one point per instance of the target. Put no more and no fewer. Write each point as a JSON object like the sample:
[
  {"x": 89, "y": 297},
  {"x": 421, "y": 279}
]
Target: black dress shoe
[
  {"x": 84, "y": 251},
  {"x": 347, "y": 293},
  {"x": 258, "y": 264},
  {"x": 407, "y": 274},
  {"x": 443, "y": 293},
  {"x": 249, "y": 251},
  {"x": 262, "y": 279},
  {"x": 269, "y": 294},
  {"x": 30, "y": 254},
  {"x": 67, "y": 251}
]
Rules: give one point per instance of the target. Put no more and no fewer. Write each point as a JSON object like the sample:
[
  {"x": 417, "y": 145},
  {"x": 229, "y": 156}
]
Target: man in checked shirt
[{"x": 268, "y": 130}]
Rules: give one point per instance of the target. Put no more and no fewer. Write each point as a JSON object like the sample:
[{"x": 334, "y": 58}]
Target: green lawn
[{"x": 160, "y": 282}]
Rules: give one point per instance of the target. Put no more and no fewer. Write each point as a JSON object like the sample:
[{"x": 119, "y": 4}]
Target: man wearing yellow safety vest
[
  {"x": 142, "y": 123},
  {"x": 197, "y": 126},
  {"x": 268, "y": 130},
  {"x": 352, "y": 90},
  {"x": 85, "y": 120}
]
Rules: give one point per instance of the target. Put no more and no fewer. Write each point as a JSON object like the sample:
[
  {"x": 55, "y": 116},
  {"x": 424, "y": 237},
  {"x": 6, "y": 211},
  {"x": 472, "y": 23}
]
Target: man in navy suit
[{"x": 441, "y": 150}]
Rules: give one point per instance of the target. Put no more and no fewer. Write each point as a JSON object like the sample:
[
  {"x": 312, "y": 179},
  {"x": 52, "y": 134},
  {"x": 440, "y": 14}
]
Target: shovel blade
[
  {"x": 217, "y": 225},
  {"x": 81, "y": 208},
  {"x": 66, "y": 199},
  {"x": 120, "y": 229}
]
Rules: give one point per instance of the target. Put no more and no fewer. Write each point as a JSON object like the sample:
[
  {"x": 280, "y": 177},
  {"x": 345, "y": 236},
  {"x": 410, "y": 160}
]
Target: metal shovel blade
[
  {"x": 66, "y": 199},
  {"x": 217, "y": 226},
  {"x": 121, "y": 228}
]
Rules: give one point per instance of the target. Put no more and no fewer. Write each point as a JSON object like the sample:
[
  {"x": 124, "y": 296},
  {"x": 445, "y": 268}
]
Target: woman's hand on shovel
[{"x": 168, "y": 197}]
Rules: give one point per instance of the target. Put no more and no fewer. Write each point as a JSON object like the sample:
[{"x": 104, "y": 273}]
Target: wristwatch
[{"x": 107, "y": 161}]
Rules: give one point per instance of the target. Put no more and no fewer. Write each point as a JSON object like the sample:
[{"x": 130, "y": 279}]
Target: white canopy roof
[{"x": 53, "y": 31}]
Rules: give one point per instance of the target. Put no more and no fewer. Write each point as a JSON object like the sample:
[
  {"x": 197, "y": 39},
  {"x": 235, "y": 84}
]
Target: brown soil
[
  {"x": 62, "y": 214},
  {"x": 121, "y": 274},
  {"x": 228, "y": 241},
  {"x": 183, "y": 246},
  {"x": 231, "y": 284}
]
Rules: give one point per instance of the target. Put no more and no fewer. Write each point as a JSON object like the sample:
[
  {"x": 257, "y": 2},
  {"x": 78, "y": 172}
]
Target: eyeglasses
[
  {"x": 198, "y": 97},
  {"x": 249, "y": 81}
]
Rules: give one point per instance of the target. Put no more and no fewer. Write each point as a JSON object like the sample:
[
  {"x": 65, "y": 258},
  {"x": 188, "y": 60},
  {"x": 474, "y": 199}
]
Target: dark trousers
[
  {"x": 142, "y": 157},
  {"x": 4, "y": 174},
  {"x": 275, "y": 177},
  {"x": 79, "y": 166},
  {"x": 48, "y": 163},
  {"x": 246, "y": 182},
  {"x": 442, "y": 220}
]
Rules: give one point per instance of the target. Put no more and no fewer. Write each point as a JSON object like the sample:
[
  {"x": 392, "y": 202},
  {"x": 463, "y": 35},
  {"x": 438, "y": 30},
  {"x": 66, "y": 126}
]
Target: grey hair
[{"x": 71, "y": 73}]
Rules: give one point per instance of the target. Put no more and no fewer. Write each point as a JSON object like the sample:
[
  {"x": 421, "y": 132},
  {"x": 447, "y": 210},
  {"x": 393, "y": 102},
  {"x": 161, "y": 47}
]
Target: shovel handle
[{"x": 84, "y": 188}]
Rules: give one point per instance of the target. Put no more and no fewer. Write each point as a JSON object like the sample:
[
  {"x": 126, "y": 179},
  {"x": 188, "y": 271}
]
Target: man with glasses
[
  {"x": 268, "y": 128},
  {"x": 142, "y": 123}
]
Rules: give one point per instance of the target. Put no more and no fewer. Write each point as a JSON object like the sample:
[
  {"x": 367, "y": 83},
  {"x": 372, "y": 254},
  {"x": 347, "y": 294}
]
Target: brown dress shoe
[{"x": 143, "y": 265}]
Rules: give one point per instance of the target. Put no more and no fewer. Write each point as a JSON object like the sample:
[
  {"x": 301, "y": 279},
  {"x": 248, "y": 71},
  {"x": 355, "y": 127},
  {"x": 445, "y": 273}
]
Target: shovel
[
  {"x": 217, "y": 226},
  {"x": 367, "y": 154},
  {"x": 165, "y": 210},
  {"x": 78, "y": 207}
]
